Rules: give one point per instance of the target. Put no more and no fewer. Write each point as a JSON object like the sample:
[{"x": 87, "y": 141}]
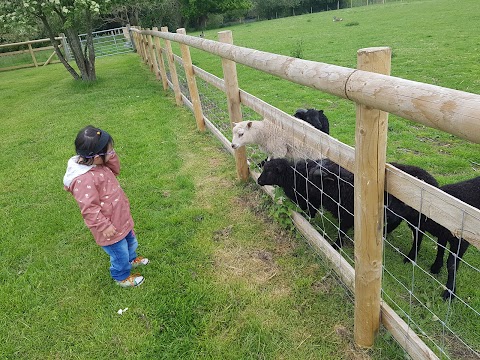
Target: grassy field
[
  {"x": 437, "y": 50},
  {"x": 432, "y": 41},
  {"x": 225, "y": 282}
]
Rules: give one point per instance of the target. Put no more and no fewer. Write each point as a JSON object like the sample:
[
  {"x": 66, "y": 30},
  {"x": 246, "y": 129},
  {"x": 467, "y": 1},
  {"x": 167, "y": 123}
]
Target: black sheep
[
  {"x": 292, "y": 177},
  {"x": 336, "y": 185},
  {"x": 397, "y": 210},
  {"x": 314, "y": 117},
  {"x": 468, "y": 192},
  {"x": 333, "y": 186}
]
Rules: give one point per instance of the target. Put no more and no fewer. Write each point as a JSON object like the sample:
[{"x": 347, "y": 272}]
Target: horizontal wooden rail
[
  {"x": 449, "y": 110},
  {"x": 28, "y": 42},
  {"x": 432, "y": 202},
  {"x": 26, "y": 51}
]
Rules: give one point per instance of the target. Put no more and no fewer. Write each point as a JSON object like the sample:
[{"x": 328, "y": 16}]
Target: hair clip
[{"x": 98, "y": 132}]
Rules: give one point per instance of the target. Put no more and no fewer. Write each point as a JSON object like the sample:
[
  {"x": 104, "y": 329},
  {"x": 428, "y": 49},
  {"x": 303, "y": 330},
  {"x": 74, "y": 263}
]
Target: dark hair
[{"x": 91, "y": 141}]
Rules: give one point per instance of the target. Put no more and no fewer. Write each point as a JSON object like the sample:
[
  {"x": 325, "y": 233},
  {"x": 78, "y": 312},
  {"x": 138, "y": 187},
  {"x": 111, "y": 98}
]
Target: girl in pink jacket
[{"x": 91, "y": 179}]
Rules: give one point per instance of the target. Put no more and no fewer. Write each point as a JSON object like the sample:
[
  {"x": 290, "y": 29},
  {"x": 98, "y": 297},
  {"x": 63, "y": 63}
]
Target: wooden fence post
[
  {"x": 161, "y": 63},
  {"x": 143, "y": 47},
  {"x": 370, "y": 151},
  {"x": 233, "y": 99},
  {"x": 192, "y": 83},
  {"x": 66, "y": 50},
  {"x": 139, "y": 42},
  {"x": 173, "y": 69},
  {"x": 131, "y": 37},
  {"x": 153, "y": 62},
  {"x": 34, "y": 59}
]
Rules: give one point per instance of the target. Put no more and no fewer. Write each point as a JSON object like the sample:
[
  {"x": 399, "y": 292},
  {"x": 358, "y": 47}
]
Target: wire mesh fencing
[{"x": 439, "y": 303}]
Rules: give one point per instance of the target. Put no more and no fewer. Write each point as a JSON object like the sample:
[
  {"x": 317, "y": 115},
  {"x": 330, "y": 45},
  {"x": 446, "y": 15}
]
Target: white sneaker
[
  {"x": 131, "y": 281},
  {"x": 139, "y": 261}
]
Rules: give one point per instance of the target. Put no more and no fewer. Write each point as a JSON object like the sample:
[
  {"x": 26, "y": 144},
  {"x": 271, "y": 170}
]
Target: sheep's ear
[{"x": 249, "y": 124}]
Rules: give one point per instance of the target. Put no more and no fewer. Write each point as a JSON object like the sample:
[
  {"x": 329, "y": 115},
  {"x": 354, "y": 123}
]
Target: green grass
[
  {"x": 438, "y": 50},
  {"x": 26, "y": 59},
  {"x": 224, "y": 281}
]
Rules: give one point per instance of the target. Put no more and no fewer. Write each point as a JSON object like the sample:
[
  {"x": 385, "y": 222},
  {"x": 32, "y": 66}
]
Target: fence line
[
  {"x": 452, "y": 111},
  {"x": 445, "y": 109},
  {"x": 31, "y": 50}
]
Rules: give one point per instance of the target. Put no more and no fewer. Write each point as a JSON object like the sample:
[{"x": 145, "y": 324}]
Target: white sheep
[
  {"x": 272, "y": 139},
  {"x": 263, "y": 133}
]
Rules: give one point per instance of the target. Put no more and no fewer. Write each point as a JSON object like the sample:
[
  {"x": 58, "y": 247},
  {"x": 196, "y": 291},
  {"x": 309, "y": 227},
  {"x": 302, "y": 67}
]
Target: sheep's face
[
  {"x": 272, "y": 173},
  {"x": 241, "y": 134},
  {"x": 314, "y": 117}
]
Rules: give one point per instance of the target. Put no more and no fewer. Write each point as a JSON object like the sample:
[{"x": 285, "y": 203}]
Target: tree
[
  {"x": 70, "y": 16},
  {"x": 147, "y": 13},
  {"x": 197, "y": 11}
]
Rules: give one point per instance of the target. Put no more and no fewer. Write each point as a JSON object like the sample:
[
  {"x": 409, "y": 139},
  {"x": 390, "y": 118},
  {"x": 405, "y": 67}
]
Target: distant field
[{"x": 432, "y": 41}]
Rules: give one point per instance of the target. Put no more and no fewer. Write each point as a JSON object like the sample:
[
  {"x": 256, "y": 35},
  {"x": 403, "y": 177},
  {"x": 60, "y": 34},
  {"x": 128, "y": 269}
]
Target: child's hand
[{"x": 110, "y": 231}]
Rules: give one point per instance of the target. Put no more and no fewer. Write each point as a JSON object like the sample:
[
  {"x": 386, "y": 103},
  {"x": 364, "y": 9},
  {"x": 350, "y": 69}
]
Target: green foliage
[
  {"x": 281, "y": 209},
  {"x": 54, "y": 16},
  {"x": 297, "y": 51},
  {"x": 197, "y": 11}
]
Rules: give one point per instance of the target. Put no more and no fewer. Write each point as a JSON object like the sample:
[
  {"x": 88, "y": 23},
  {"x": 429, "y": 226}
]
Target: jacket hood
[{"x": 74, "y": 170}]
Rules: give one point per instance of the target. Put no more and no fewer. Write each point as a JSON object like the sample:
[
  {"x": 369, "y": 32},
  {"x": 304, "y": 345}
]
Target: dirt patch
[
  {"x": 253, "y": 266},
  {"x": 222, "y": 234},
  {"x": 324, "y": 285},
  {"x": 351, "y": 351},
  {"x": 457, "y": 350}
]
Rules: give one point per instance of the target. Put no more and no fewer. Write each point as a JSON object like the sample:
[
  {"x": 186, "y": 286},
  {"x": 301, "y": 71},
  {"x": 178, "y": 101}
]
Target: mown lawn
[{"x": 224, "y": 281}]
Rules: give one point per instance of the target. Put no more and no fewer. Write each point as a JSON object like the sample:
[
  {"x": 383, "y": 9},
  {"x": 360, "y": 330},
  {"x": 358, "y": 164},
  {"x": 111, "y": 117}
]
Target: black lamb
[
  {"x": 314, "y": 117},
  {"x": 468, "y": 192},
  {"x": 397, "y": 210},
  {"x": 292, "y": 177},
  {"x": 334, "y": 186}
]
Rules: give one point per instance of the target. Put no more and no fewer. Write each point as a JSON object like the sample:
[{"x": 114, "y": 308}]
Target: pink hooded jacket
[{"x": 101, "y": 200}]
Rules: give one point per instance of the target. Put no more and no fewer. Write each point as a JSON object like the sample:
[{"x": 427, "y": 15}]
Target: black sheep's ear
[
  {"x": 319, "y": 172},
  {"x": 316, "y": 171},
  {"x": 320, "y": 111},
  {"x": 249, "y": 124}
]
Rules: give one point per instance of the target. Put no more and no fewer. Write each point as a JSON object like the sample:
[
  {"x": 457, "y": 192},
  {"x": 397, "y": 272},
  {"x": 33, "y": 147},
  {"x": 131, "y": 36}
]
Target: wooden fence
[
  {"x": 30, "y": 50},
  {"x": 376, "y": 94}
]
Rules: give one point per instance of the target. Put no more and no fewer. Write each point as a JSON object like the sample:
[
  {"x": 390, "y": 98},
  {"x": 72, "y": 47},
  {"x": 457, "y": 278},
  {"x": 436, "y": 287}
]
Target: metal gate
[{"x": 106, "y": 42}]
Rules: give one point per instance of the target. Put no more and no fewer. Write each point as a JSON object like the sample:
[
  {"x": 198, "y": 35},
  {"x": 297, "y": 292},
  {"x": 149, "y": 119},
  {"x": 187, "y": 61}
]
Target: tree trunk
[
  {"x": 85, "y": 66},
  {"x": 60, "y": 56},
  {"x": 91, "y": 50}
]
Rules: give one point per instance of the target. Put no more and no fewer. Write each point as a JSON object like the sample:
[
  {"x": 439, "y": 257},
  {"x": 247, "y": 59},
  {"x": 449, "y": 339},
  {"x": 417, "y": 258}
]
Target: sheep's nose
[{"x": 234, "y": 146}]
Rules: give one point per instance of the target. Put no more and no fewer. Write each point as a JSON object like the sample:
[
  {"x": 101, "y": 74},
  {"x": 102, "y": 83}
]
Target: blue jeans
[{"x": 121, "y": 254}]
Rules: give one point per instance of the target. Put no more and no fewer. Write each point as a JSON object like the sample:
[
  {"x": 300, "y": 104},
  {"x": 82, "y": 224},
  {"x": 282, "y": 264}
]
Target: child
[{"x": 91, "y": 179}]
